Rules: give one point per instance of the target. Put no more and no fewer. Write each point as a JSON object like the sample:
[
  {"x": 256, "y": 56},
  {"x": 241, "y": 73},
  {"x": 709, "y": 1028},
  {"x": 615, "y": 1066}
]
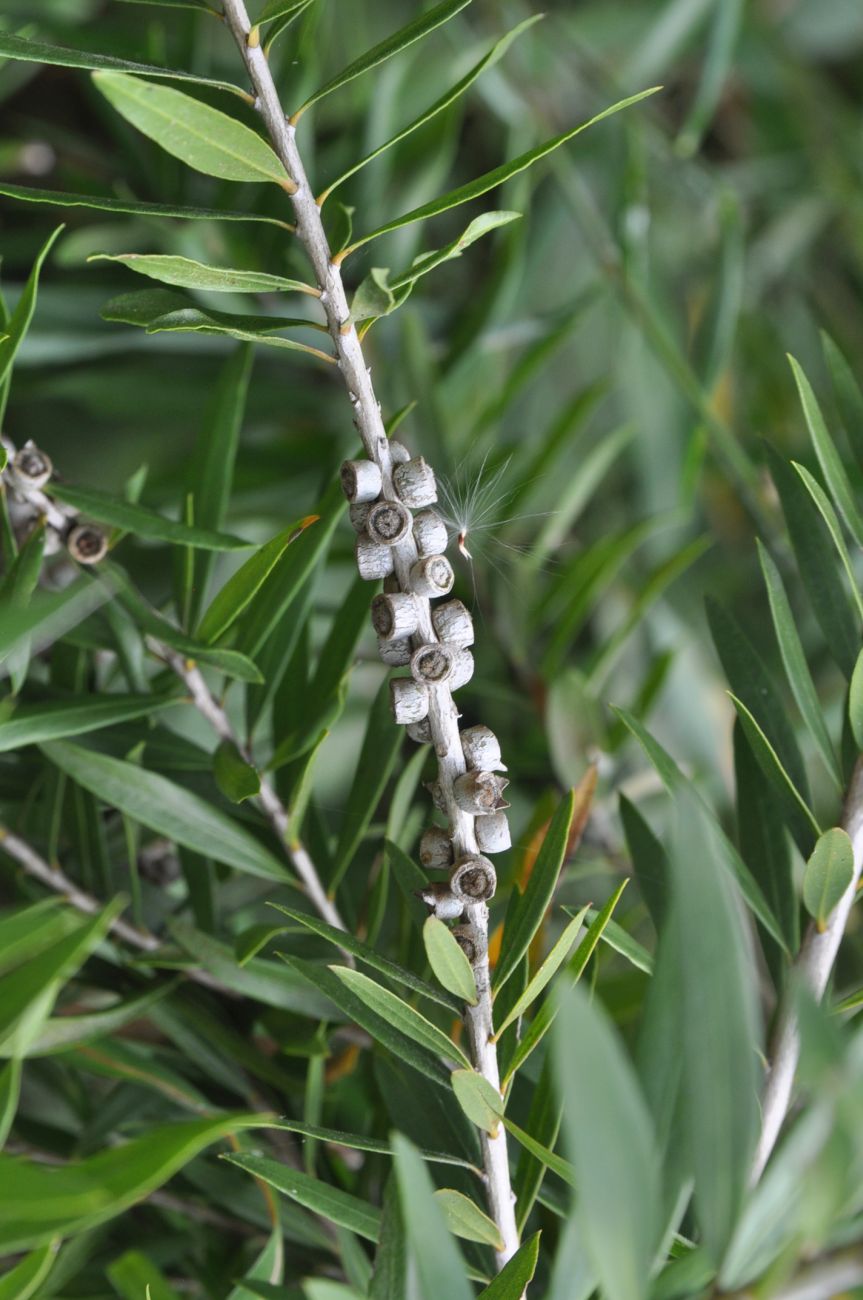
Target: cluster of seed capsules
[
  {"x": 433, "y": 641},
  {"x": 27, "y": 474}
]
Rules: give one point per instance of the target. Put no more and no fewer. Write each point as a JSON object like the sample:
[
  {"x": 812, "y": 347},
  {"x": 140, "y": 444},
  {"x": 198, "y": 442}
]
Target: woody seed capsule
[
  {"x": 432, "y": 664},
  {"x": 462, "y": 669},
  {"x": 388, "y": 523},
  {"x": 414, "y": 481},
  {"x": 373, "y": 561},
  {"x": 473, "y": 879},
  {"x": 395, "y": 653},
  {"x": 430, "y": 533},
  {"x": 32, "y": 467},
  {"x": 409, "y": 699},
  {"x": 492, "y": 833},
  {"x": 453, "y": 623},
  {"x": 420, "y": 732},
  {"x": 394, "y": 615},
  {"x": 468, "y": 940},
  {"x": 87, "y": 544},
  {"x": 432, "y": 576},
  {"x": 436, "y": 853},
  {"x": 361, "y": 480},
  {"x": 359, "y": 513},
  {"x": 481, "y": 749},
  {"x": 478, "y": 792},
  {"x": 398, "y": 452}
]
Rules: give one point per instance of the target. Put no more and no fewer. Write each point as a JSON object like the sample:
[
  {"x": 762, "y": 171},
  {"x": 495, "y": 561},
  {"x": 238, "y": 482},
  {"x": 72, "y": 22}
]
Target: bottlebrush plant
[{"x": 294, "y": 1004}]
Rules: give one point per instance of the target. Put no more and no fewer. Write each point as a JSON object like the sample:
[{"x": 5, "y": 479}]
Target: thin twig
[
  {"x": 55, "y": 879},
  {"x": 443, "y": 714},
  {"x": 268, "y": 800},
  {"x": 812, "y": 968}
]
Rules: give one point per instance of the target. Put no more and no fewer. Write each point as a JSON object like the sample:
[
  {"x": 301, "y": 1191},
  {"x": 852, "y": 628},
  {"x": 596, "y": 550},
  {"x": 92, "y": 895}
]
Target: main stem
[
  {"x": 443, "y": 715},
  {"x": 813, "y": 966}
]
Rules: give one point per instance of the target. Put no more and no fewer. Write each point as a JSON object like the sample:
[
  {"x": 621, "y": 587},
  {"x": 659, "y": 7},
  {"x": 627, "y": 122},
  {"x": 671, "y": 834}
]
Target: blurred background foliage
[{"x": 609, "y": 366}]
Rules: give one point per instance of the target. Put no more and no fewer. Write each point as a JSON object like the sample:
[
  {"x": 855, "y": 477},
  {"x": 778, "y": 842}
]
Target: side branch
[{"x": 813, "y": 966}]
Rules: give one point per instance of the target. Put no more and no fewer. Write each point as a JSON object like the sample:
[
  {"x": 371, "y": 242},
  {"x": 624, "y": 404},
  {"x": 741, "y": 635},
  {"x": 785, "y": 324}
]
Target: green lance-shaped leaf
[
  {"x": 62, "y": 1032},
  {"x": 828, "y": 514},
  {"x": 614, "y": 1156},
  {"x": 19, "y": 322},
  {"x": 614, "y": 936},
  {"x": 546, "y": 972},
  {"x": 160, "y": 310},
  {"x": 794, "y": 660},
  {"x": 531, "y": 908},
  {"x": 10, "y": 1094},
  {"x": 649, "y": 860},
  {"x": 401, "y": 1015},
  {"x": 546, "y": 1157},
  {"x": 513, "y": 1279},
  {"x": 235, "y": 775},
  {"x": 133, "y": 207},
  {"x": 855, "y": 702},
  {"x": 448, "y": 961},
  {"x": 479, "y": 1099},
  {"x": 27, "y": 931},
  {"x": 490, "y": 180},
  {"x": 389, "y": 1280},
  {"x": 240, "y": 590},
  {"x": 441, "y": 1269},
  {"x": 59, "y": 56},
  {"x": 455, "y": 92},
  {"x": 333, "y": 1204},
  {"x": 828, "y": 457},
  {"x": 849, "y": 399},
  {"x": 272, "y": 983},
  {"x": 828, "y": 874},
  {"x": 393, "y": 45},
  {"x": 425, "y": 262},
  {"x": 39, "y": 1202},
  {"x": 279, "y": 9},
  {"x": 144, "y": 522},
  {"x": 358, "y": 1142},
  {"x": 184, "y": 273},
  {"x": 544, "y": 1018},
  {"x": 345, "y": 940},
  {"x": 771, "y": 766},
  {"x": 466, "y": 1220},
  {"x": 134, "y": 1275},
  {"x": 30, "y": 724},
  {"x": 290, "y": 11},
  {"x": 205, "y": 139},
  {"x": 166, "y": 808},
  {"x": 176, "y": 4},
  {"x": 25, "y": 1279}
]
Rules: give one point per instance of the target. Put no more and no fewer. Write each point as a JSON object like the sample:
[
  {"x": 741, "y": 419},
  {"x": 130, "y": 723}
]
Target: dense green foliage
[{"x": 203, "y": 1093}]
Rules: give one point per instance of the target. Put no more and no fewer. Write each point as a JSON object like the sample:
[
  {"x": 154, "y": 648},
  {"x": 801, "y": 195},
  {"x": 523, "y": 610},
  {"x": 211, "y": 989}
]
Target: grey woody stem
[
  {"x": 813, "y": 967},
  {"x": 268, "y": 800},
  {"x": 55, "y": 879},
  {"x": 414, "y": 574}
]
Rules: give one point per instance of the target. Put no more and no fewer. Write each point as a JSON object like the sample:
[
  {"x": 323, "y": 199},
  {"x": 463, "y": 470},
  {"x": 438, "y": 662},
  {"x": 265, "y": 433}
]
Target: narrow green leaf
[
  {"x": 828, "y": 874},
  {"x": 401, "y": 1015},
  {"x": 479, "y": 1099},
  {"x": 62, "y": 1032},
  {"x": 10, "y": 1092},
  {"x": 649, "y": 860},
  {"x": 160, "y": 310},
  {"x": 333, "y": 1204},
  {"x": 394, "y": 44},
  {"x": 235, "y": 776},
  {"x": 849, "y": 399},
  {"x": 347, "y": 941},
  {"x": 539, "y": 891},
  {"x": 134, "y": 207},
  {"x": 543, "y": 1125},
  {"x": 490, "y": 180},
  {"x": 794, "y": 659},
  {"x": 813, "y": 549},
  {"x": 144, "y": 522},
  {"x": 200, "y": 136},
  {"x": 356, "y": 1142},
  {"x": 185, "y": 273},
  {"x": 19, "y": 322},
  {"x": 828, "y": 514},
  {"x": 38, "y": 1201},
  {"x": 27, "y": 931},
  {"x": 377, "y": 758},
  {"x": 855, "y": 702},
  {"x": 448, "y": 962},
  {"x": 279, "y": 9},
  {"x": 512, "y": 1280},
  {"x": 555, "y": 1163},
  {"x": 390, "y": 1278},
  {"x": 281, "y": 23},
  {"x": 455, "y": 92},
  {"x": 241, "y": 589},
  {"x": 617, "y": 938},
  {"x": 27, "y": 1276},
  {"x": 175, "y": 4},
  {"x": 770, "y": 763},
  {"x": 615, "y": 1157},
  {"x": 480, "y": 226},
  {"x": 544, "y": 1018},
  {"x": 765, "y": 846},
  {"x": 60, "y": 56},
  {"x": 546, "y": 972},
  {"x": 439, "y": 1264},
  {"x": 166, "y": 808},
  {"x": 133, "y": 1275},
  {"x": 271, "y": 983},
  {"x": 828, "y": 457},
  {"x": 466, "y": 1220}
]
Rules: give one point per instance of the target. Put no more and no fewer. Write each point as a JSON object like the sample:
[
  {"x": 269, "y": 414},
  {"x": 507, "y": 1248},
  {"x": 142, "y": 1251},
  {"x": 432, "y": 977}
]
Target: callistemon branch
[
  {"x": 400, "y": 539},
  {"x": 813, "y": 967},
  {"x": 26, "y": 476}
]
